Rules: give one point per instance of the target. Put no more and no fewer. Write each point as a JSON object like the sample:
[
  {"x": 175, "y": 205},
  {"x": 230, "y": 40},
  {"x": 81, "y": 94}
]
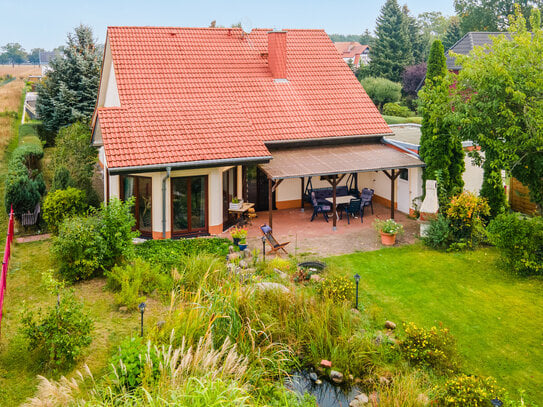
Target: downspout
[{"x": 168, "y": 169}]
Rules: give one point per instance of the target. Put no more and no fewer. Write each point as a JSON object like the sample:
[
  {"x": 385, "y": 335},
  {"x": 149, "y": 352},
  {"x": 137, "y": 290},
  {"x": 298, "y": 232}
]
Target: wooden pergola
[{"x": 333, "y": 163}]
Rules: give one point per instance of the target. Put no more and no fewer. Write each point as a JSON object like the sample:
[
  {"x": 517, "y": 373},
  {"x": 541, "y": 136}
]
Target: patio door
[
  {"x": 189, "y": 205},
  {"x": 139, "y": 188},
  {"x": 403, "y": 191}
]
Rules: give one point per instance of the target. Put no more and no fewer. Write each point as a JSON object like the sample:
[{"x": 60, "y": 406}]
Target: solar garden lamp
[
  {"x": 356, "y": 280},
  {"x": 142, "y": 310},
  {"x": 264, "y": 248}
]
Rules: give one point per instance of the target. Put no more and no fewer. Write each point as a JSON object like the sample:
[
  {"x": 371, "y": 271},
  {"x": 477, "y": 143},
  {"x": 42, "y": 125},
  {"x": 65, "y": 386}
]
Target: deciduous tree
[{"x": 499, "y": 105}]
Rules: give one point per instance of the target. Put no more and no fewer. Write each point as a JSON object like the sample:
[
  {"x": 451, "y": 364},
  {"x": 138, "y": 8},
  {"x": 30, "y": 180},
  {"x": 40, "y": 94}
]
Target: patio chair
[
  {"x": 275, "y": 245},
  {"x": 367, "y": 200},
  {"x": 321, "y": 207},
  {"x": 354, "y": 208}
]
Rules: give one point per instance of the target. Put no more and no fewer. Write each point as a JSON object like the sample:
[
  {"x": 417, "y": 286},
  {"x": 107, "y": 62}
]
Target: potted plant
[
  {"x": 388, "y": 230},
  {"x": 242, "y": 244},
  {"x": 239, "y": 234},
  {"x": 236, "y": 203}
]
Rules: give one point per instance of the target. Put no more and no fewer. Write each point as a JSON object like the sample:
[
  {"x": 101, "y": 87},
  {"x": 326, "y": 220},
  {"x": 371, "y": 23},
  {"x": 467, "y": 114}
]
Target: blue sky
[{"x": 46, "y": 23}]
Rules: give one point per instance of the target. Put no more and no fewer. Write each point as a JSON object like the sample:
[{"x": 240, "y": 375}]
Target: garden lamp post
[
  {"x": 142, "y": 310},
  {"x": 264, "y": 248},
  {"x": 357, "y": 280}
]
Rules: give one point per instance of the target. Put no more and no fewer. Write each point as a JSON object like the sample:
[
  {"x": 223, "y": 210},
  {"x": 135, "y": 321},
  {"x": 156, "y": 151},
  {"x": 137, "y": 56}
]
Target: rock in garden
[
  {"x": 247, "y": 253},
  {"x": 313, "y": 376},
  {"x": 326, "y": 363},
  {"x": 123, "y": 309},
  {"x": 243, "y": 264},
  {"x": 390, "y": 325},
  {"x": 361, "y": 400},
  {"x": 283, "y": 276},
  {"x": 232, "y": 256},
  {"x": 316, "y": 278},
  {"x": 336, "y": 377},
  {"x": 384, "y": 380},
  {"x": 160, "y": 324},
  {"x": 265, "y": 286}
]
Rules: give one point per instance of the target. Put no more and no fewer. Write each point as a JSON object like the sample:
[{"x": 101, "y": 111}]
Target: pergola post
[
  {"x": 392, "y": 176},
  {"x": 334, "y": 181},
  {"x": 302, "y": 194},
  {"x": 270, "y": 202}
]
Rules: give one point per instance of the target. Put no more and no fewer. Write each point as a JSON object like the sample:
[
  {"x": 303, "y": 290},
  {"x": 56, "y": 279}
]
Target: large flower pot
[
  {"x": 236, "y": 240},
  {"x": 388, "y": 239}
]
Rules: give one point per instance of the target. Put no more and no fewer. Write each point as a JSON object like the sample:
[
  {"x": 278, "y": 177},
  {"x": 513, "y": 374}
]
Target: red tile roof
[
  {"x": 191, "y": 94},
  {"x": 350, "y": 49}
]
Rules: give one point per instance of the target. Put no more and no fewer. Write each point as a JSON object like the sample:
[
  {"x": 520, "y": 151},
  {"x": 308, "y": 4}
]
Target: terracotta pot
[{"x": 388, "y": 239}]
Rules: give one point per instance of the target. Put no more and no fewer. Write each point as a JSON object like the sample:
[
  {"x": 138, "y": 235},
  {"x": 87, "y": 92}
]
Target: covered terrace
[{"x": 334, "y": 162}]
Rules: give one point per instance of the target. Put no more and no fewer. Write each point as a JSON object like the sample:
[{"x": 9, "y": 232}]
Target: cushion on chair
[{"x": 265, "y": 229}]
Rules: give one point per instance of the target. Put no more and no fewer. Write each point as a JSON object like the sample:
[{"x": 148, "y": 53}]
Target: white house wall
[{"x": 473, "y": 176}]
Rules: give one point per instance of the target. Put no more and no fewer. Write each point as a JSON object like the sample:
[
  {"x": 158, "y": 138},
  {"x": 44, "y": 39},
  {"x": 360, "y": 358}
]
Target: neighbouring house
[
  {"x": 354, "y": 53},
  {"x": 45, "y": 60},
  {"x": 467, "y": 43},
  {"x": 189, "y": 118}
]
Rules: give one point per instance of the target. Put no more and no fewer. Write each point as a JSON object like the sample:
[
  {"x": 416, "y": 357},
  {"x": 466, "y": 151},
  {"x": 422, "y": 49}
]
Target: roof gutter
[
  {"x": 324, "y": 140},
  {"x": 400, "y": 147},
  {"x": 187, "y": 165}
]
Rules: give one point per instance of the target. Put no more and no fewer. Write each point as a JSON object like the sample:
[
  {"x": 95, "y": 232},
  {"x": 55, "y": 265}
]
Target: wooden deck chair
[{"x": 275, "y": 245}]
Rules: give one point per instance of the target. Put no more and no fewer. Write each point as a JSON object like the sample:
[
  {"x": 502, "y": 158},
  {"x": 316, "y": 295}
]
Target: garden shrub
[
  {"x": 59, "y": 336},
  {"x": 78, "y": 248},
  {"x": 23, "y": 184},
  {"x": 465, "y": 213},
  {"x": 133, "y": 280},
  {"x": 520, "y": 240},
  {"x": 129, "y": 364},
  {"x": 115, "y": 229},
  {"x": 434, "y": 347},
  {"x": 168, "y": 253},
  {"x": 395, "y": 109},
  {"x": 61, "y": 179},
  {"x": 87, "y": 245},
  {"x": 381, "y": 90},
  {"x": 62, "y": 204},
  {"x": 336, "y": 288},
  {"x": 467, "y": 390},
  {"x": 438, "y": 234}
]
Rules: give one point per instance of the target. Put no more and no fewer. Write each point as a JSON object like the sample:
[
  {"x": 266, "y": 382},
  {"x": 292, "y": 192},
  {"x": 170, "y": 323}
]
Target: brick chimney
[{"x": 277, "y": 54}]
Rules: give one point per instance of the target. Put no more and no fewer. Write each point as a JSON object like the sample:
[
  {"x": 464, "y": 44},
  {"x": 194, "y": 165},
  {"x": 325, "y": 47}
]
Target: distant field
[{"x": 20, "y": 71}]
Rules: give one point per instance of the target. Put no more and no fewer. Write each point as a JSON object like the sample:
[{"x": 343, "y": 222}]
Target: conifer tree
[
  {"x": 68, "y": 93},
  {"x": 440, "y": 147},
  {"x": 452, "y": 35},
  {"x": 391, "y": 52},
  {"x": 416, "y": 41}
]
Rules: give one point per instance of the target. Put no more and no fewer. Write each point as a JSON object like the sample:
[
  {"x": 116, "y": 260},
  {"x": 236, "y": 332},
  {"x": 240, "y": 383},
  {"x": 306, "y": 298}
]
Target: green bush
[
  {"x": 381, "y": 90},
  {"x": 395, "y": 109},
  {"x": 520, "y": 240},
  {"x": 465, "y": 214},
  {"x": 62, "y": 204},
  {"x": 115, "y": 228},
  {"x": 133, "y": 280},
  {"x": 467, "y": 390},
  {"x": 59, "y": 336},
  {"x": 23, "y": 184},
  {"x": 38, "y": 130},
  {"x": 61, "y": 179},
  {"x": 78, "y": 248},
  {"x": 129, "y": 364},
  {"x": 434, "y": 347},
  {"x": 438, "y": 234},
  {"x": 168, "y": 254}
]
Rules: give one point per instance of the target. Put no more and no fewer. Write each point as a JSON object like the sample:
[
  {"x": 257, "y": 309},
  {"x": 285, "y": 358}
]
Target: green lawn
[
  {"x": 402, "y": 120},
  {"x": 496, "y": 318}
]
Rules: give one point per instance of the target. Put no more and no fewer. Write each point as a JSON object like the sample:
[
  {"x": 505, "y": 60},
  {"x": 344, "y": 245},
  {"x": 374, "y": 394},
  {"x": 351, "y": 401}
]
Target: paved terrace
[{"x": 317, "y": 237}]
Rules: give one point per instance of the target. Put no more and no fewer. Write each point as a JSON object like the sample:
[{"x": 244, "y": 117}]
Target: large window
[
  {"x": 141, "y": 189},
  {"x": 189, "y": 205}
]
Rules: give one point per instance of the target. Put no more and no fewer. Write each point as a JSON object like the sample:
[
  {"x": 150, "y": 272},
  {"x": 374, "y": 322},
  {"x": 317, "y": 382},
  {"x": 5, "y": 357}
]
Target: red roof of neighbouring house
[
  {"x": 351, "y": 49},
  {"x": 191, "y": 94}
]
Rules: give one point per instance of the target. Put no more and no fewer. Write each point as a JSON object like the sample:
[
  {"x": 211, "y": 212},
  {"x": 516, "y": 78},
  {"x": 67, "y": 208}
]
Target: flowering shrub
[
  {"x": 336, "y": 288},
  {"x": 465, "y": 213},
  {"x": 238, "y": 233},
  {"x": 467, "y": 390},
  {"x": 434, "y": 347}
]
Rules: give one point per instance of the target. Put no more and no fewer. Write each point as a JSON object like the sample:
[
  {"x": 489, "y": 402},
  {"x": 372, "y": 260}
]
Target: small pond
[{"x": 326, "y": 393}]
